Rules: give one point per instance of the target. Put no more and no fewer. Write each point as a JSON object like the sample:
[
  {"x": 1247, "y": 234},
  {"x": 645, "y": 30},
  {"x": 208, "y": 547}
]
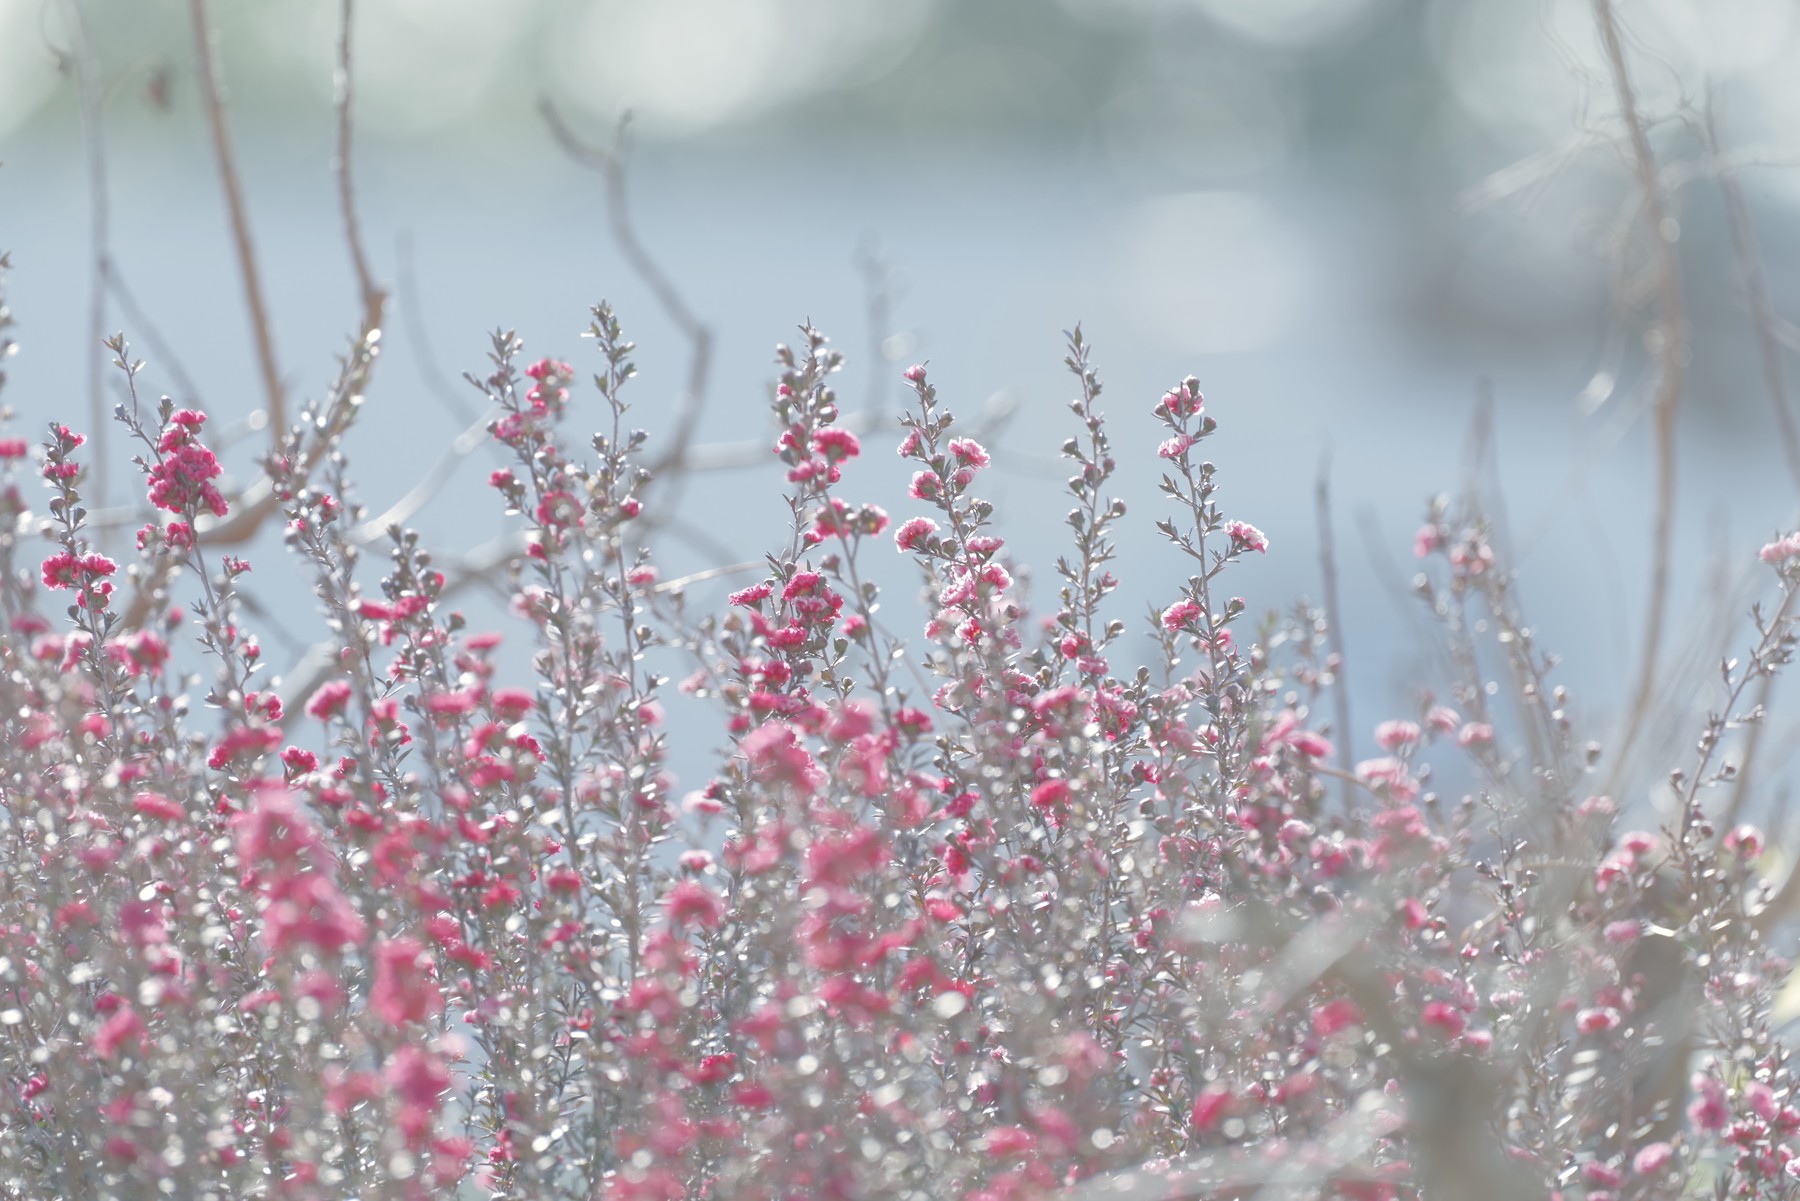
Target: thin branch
[
  {"x": 99, "y": 248},
  {"x": 699, "y": 538},
  {"x": 305, "y": 448},
  {"x": 1756, "y": 289},
  {"x": 1677, "y": 176},
  {"x": 754, "y": 452},
  {"x": 711, "y": 573},
  {"x": 482, "y": 564},
  {"x": 420, "y": 494},
  {"x": 144, "y": 326},
  {"x": 373, "y": 298},
  {"x": 1666, "y": 347},
  {"x": 1334, "y": 629},
  {"x": 212, "y": 94},
  {"x": 611, "y": 164},
  {"x": 1532, "y": 174},
  {"x": 418, "y": 336}
]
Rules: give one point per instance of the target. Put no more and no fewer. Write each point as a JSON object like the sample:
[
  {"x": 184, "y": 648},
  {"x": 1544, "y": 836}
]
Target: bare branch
[
  {"x": 212, "y": 94},
  {"x": 99, "y": 248},
  {"x": 1756, "y": 289},
  {"x": 306, "y": 449},
  {"x": 611, "y": 164},
  {"x": 418, "y": 336},
  {"x": 416, "y": 498},
  {"x": 144, "y": 326},
  {"x": 1667, "y": 342},
  {"x": 1334, "y": 629},
  {"x": 373, "y": 298}
]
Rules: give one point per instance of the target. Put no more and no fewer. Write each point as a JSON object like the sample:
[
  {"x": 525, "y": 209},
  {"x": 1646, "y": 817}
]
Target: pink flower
[
  {"x": 181, "y": 481},
  {"x": 274, "y": 831},
  {"x": 751, "y": 1095},
  {"x": 329, "y": 700},
  {"x": 1652, "y": 1159},
  {"x": 776, "y": 756},
  {"x": 512, "y": 702},
  {"x": 914, "y": 374},
  {"x": 1174, "y": 448},
  {"x": 1708, "y": 1110},
  {"x": 139, "y": 652},
  {"x": 64, "y": 570},
  {"x": 1428, "y": 539},
  {"x": 309, "y": 909},
  {"x": 743, "y": 598},
  {"x": 402, "y": 991},
  {"x": 1476, "y": 733},
  {"x": 1004, "y": 1142},
  {"x": 1414, "y": 913},
  {"x": 1781, "y": 550},
  {"x": 1597, "y": 1021},
  {"x": 853, "y": 720},
  {"x": 418, "y": 1079},
  {"x": 154, "y": 804},
  {"x": 1210, "y": 1106},
  {"x": 452, "y": 704},
  {"x": 1335, "y": 1015},
  {"x": 1391, "y": 736},
  {"x": 690, "y": 903},
  {"x": 968, "y": 452},
  {"x": 914, "y": 531},
  {"x": 346, "y": 1090},
  {"x": 836, "y": 445},
  {"x": 802, "y": 583},
  {"x": 1245, "y": 536},
  {"x": 1181, "y": 613},
  {"x": 1051, "y": 794},
  {"x": 1390, "y": 775},
  {"x": 844, "y": 859},
  {"x": 559, "y": 509},
  {"x": 1746, "y": 841},
  {"x": 123, "y": 1024},
  {"x": 1604, "y": 1175},
  {"x": 1444, "y": 1016},
  {"x": 1308, "y": 743}
]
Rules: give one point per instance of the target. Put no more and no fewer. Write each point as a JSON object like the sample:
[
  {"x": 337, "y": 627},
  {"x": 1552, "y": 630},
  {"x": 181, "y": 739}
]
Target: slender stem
[
  {"x": 212, "y": 94},
  {"x": 1668, "y": 350},
  {"x": 372, "y": 296},
  {"x": 668, "y": 467},
  {"x": 1334, "y": 628},
  {"x": 1756, "y": 288},
  {"x": 99, "y": 221}
]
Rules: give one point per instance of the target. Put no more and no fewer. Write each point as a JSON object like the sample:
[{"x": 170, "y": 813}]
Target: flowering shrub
[{"x": 1025, "y": 919}]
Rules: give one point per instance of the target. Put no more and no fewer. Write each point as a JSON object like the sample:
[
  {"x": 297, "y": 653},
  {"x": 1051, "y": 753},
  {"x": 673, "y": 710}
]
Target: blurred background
[{"x": 1349, "y": 218}]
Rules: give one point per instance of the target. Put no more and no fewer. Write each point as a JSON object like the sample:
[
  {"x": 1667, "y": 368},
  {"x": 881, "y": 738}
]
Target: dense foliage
[{"x": 984, "y": 913}]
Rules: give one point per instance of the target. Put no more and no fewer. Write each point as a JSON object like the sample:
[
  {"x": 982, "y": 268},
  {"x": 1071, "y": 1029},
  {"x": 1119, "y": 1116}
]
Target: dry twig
[
  {"x": 212, "y": 94},
  {"x": 1667, "y": 342}
]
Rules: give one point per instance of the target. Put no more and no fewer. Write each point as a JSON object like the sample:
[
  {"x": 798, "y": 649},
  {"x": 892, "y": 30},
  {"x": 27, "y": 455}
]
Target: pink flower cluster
[
  {"x": 84, "y": 573},
  {"x": 991, "y": 918},
  {"x": 181, "y": 481}
]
